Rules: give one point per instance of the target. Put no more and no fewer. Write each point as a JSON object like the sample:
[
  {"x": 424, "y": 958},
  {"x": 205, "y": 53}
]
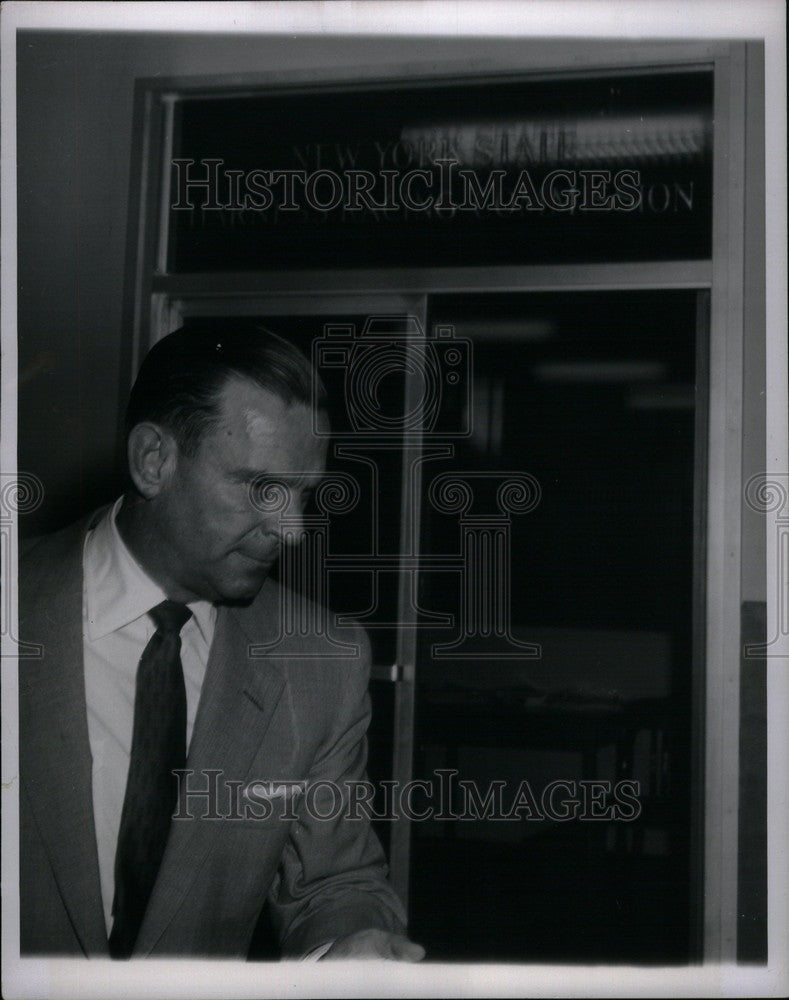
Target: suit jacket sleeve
[{"x": 332, "y": 880}]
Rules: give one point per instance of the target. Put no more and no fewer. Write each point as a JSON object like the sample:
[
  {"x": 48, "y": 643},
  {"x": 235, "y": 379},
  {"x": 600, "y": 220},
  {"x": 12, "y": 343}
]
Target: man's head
[{"x": 213, "y": 420}]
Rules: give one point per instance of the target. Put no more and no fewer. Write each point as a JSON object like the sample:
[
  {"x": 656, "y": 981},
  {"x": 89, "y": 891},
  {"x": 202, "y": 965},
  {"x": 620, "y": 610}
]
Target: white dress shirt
[{"x": 117, "y": 596}]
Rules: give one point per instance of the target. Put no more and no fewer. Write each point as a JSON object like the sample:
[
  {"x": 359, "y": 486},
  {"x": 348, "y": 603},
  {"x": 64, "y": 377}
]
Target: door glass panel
[{"x": 558, "y": 544}]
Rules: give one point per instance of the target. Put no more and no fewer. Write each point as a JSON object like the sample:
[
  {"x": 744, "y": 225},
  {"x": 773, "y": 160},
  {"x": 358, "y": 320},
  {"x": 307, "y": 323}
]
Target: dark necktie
[{"x": 158, "y": 748}]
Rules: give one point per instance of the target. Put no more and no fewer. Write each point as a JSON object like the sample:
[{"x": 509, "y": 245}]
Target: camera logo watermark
[
  {"x": 768, "y": 494},
  {"x": 389, "y": 348},
  {"x": 305, "y": 557},
  {"x": 433, "y": 406},
  {"x": 20, "y": 494},
  {"x": 484, "y": 562}
]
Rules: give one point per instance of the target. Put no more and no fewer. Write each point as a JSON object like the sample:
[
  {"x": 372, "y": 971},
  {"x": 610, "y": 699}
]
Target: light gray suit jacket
[{"x": 275, "y": 717}]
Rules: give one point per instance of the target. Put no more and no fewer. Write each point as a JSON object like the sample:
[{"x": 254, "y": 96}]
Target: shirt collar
[{"x": 118, "y": 591}]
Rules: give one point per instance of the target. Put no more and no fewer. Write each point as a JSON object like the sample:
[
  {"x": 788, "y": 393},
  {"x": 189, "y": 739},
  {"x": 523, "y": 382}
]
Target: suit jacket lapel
[
  {"x": 55, "y": 758},
  {"x": 239, "y": 697}
]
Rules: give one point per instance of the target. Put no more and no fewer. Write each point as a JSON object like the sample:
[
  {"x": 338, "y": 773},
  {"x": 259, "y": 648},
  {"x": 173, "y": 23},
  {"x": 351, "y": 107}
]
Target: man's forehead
[
  {"x": 259, "y": 433},
  {"x": 258, "y": 413}
]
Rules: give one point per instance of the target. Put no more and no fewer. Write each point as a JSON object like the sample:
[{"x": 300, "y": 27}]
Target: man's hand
[{"x": 376, "y": 944}]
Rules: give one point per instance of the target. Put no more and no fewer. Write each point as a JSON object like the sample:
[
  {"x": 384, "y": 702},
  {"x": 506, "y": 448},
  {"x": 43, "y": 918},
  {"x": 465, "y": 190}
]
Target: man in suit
[{"x": 161, "y": 753}]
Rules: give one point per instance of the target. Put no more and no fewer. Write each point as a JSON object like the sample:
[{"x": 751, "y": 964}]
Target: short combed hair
[{"x": 181, "y": 379}]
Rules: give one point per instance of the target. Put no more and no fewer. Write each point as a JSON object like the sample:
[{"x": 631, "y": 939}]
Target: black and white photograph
[{"x": 395, "y": 499}]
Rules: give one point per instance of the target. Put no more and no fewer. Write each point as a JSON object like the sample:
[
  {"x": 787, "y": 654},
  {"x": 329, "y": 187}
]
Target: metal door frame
[{"x": 154, "y": 300}]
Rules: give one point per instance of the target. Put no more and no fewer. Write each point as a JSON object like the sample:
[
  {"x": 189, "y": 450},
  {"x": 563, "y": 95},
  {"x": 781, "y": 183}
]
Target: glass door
[
  {"x": 359, "y": 555},
  {"x": 513, "y": 494},
  {"x": 555, "y": 701}
]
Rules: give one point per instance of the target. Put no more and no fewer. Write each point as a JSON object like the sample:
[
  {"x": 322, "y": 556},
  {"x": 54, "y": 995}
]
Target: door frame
[{"x": 154, "y": 300}]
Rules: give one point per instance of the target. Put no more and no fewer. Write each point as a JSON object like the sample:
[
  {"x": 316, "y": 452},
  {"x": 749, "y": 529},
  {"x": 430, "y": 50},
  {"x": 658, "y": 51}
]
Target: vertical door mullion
[
  {"x": 723, "y": 599},
  {"x": 698, "y": 684},
  {"x": 410, "y": 542}
]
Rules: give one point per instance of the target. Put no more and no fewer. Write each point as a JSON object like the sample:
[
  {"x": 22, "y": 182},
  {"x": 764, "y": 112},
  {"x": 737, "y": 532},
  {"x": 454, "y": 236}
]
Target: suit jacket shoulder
[{"x": 50, "y": 567}]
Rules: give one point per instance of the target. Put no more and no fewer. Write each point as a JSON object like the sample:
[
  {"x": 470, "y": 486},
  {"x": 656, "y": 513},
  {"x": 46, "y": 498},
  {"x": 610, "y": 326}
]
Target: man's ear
[{"x": 152, "y": 454}]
